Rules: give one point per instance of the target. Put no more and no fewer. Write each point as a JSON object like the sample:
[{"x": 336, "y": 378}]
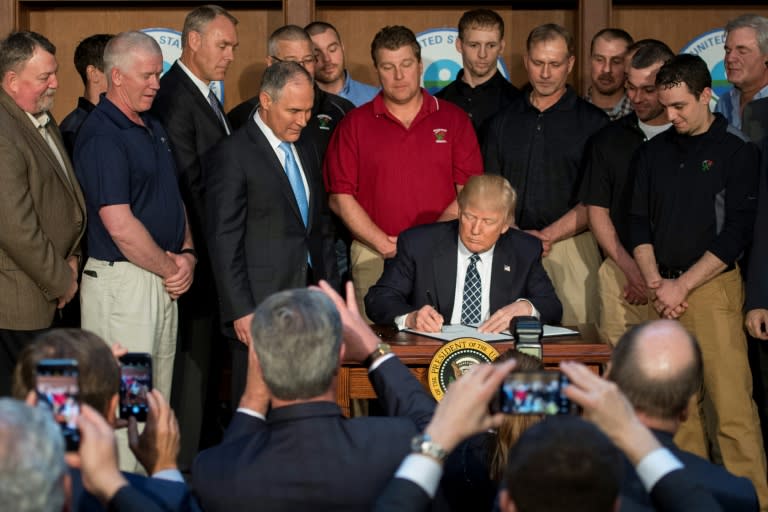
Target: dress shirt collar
[
  {"x": 40, "y": 120},
  {"x": 205, "y": 88}
]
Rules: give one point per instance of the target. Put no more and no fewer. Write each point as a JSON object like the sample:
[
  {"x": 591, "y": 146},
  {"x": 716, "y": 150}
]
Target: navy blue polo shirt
[{"x": 120, "y": 162}]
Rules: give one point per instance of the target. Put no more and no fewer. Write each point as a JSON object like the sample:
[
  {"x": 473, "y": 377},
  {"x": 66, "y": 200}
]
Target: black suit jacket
[
  {"x": 143, "y": 494},
  {"x": 731, "y": 492},
  {"x": 193, "y": 129},
  {"x": 426, "y": 262},
  {"x": 309, "y": 457},
  {"x": 757, "y": 277},
  {"x": 674, "y": 492},
  {"x": 256, "y": 237}
]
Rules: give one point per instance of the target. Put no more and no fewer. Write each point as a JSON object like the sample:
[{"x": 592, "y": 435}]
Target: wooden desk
[{"x": 416, "y": 352}]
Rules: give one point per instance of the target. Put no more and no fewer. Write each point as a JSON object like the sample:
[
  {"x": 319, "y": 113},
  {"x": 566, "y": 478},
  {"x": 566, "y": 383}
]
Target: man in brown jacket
[{"x": 42, "y": 213}]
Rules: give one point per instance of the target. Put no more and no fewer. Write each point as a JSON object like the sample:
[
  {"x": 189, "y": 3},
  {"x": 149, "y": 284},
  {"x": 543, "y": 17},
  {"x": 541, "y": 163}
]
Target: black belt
[{"x": 675, "y": 272}]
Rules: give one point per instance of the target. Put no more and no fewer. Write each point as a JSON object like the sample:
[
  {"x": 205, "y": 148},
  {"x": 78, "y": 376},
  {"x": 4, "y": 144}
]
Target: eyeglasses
[{"x": 303, "y": 62}]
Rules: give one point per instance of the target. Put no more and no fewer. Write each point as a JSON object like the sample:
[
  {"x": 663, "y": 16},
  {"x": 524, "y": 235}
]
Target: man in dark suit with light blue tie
[
  {"x": 268, "y": 222},
  {"x": 477, "y": 270}
]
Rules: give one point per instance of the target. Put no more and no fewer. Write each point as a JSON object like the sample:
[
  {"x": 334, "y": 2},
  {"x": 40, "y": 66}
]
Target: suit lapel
[
  {"x": 310, "y": 164},
  {"x": 200, "y": 101},
  {"x": 273, "y": 165},
  {"x": 72, "y": 185},
  {"x": 503, "y": 268},
  {"x": 444, "y": 261}
]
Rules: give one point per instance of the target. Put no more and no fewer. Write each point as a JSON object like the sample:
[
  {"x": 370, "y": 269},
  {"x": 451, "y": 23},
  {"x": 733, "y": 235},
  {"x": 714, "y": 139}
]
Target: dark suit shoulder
[{"x": 239, "y": 115}]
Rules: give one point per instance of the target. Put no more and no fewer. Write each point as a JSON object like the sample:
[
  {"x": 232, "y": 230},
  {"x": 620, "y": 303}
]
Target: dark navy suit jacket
[
  {"x": 426, "y": 265},
  {"x": 143, "y": 495},
  {"x": 310, "y": 457},
  {"x": 732, "y": 492}
]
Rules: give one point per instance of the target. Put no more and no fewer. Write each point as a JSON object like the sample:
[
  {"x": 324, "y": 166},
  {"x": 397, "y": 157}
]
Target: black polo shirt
[
  {"x": 695, "y": 194},
  {"x": 481, "y": 102},
  {"x": 120, "y": 162},
  {"x": 606, "y": 171},
  {"x": 541, "y": 154}
]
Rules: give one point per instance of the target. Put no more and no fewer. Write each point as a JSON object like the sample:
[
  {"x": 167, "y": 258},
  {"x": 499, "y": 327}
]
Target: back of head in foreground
[
  {"x": 99, "y": 374},
  {"x": 658, "y": 366},
  {"x": 32, "y": 469},
  {"x": 297, "y": 337},
  {"x": 561, "y": 464}
]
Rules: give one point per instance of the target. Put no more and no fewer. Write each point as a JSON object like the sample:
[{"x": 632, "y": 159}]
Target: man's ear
[
  {"x": 194, "y": 40},
  {"x": 111, "y": 411},
  {"x": 265, "y": 101}
]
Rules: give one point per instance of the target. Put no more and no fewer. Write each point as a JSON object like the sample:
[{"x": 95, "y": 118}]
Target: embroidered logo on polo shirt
[
  {"x": 706, "y": 165},
  {"x": 324, "y": 120},
  {"x": 440, "y": 135}
]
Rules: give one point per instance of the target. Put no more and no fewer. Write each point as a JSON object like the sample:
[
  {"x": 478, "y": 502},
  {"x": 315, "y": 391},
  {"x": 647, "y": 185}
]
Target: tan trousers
[
  {"x": 129, "y": 305},
  {"x": 366, "y": 266},
  {"x": 572, "y": 265},
  {"x": 726, "y": 421},
  {"x": 616, "y": 314}
]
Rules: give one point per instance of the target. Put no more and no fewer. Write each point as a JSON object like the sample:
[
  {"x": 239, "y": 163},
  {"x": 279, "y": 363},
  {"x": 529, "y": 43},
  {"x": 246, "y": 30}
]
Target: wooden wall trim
[
  {"x": 8, "y": 9},
  {"x": 299, "y": 12},
  {"x": 593, "y": 16}
]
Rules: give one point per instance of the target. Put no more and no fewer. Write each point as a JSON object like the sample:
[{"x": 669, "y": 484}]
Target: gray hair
[
  {"x": 201, "y": 16},
  {"x": 119, "y": 50},
  {"x": 287, "y": 33},
  {"x": 31, "y": 458},
  {"x": 758, "y": 23},
  {"x": 18, "y": 47},
  {"x": 279, "y": 74},
  {"x": 297, "y": 336}
]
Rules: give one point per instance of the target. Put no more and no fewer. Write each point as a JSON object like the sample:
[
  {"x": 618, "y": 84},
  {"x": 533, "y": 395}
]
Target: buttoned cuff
[
  {"x": 251, "y": 412},
  {"x": 422, "y": 470},
  {"x": 377, "y": 362},
  {"x": 655, "y": 466},
  {"x": 534, "y": 311}
]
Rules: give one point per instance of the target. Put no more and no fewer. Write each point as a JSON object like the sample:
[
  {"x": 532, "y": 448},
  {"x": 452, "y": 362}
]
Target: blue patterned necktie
[
  {"x": 473, "y": 289},
  {"x": 294, "y": 177},
  {"x": 214, "y": 101}
]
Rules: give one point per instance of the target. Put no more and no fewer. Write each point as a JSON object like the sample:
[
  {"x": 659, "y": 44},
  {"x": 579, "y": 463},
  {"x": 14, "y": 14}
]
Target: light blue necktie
[{"x": 294, "y": 177}]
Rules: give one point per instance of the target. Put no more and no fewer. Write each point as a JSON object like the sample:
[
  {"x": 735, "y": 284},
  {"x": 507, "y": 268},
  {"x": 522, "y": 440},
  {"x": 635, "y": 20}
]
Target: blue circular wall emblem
[
  {"x": 441, "y": 59},
  {"x": 710, "y": 46},
  {"x": 170, "y": 44}
]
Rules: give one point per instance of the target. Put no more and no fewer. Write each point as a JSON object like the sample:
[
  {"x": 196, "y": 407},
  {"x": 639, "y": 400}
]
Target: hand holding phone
[{"x": 135, "y": 383}]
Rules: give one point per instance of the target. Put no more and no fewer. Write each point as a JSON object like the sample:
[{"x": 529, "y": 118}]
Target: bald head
[{"x": 658, "y": 366}]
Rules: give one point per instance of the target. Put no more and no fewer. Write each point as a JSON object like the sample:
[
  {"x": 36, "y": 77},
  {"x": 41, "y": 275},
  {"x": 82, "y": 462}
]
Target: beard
[{"x": 45, "y": 101}]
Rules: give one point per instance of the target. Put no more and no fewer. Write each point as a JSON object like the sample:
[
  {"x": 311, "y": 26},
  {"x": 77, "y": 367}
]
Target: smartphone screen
[
  {"x": 58, "y": 388},
  {"x": 534, "y": 392},
  {"x": 135, "y": 383}
]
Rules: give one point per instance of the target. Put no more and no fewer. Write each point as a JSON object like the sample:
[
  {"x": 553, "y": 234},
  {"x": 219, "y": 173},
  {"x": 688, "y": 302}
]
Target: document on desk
[{"x": 452, "y": 332}]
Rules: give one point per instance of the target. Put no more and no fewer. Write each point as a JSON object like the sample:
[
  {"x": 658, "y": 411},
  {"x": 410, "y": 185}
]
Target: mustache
[{"x": 605, "y": 76}]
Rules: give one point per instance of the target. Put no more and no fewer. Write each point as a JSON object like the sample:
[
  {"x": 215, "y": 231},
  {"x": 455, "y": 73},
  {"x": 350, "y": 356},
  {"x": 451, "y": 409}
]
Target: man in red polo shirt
[{"x": 397, "y": 161}]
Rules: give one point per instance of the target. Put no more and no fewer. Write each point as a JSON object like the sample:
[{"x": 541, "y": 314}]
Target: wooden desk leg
[{"x": 343, "y": 390}]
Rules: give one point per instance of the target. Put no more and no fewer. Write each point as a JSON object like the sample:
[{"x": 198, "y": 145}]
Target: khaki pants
[
  {"x": 366, "y": 266},
  {"x": 572, "y": 265},
  {"x": 616, "y": 314},
  {"x": 129, "y": 305},
  {"x": 726, "y": 421}
]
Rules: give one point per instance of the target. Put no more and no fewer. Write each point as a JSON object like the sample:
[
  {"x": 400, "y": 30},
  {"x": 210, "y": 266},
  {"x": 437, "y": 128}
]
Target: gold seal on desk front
[{"x": 453, "y": 359}]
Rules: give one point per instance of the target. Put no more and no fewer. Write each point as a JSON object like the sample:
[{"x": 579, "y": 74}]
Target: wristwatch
[
  {"x": 424, "y": 445},
  {"x": 381, "y": 350},
  {"x": 189, "y": 250}
]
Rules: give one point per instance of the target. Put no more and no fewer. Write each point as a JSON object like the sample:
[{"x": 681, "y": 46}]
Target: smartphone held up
[
  {"x": 135, "y": 383},
  {"x": 57, "y": 386},
  {"x": 533, "y": 392}
]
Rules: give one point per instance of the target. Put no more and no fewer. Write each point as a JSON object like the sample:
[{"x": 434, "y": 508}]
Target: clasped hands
[{"x": 668, "y": 297}]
